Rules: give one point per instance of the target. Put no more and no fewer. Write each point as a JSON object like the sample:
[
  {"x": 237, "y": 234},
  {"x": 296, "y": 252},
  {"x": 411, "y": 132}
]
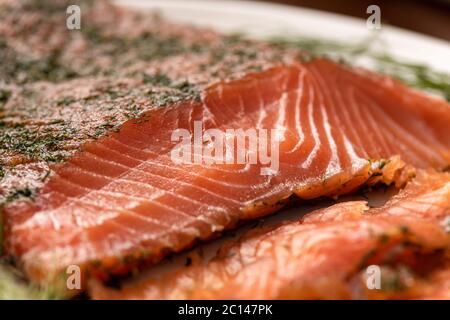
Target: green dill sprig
[
  {"x": 13, "y": 287},
  {"x": 417, "y": 75}
]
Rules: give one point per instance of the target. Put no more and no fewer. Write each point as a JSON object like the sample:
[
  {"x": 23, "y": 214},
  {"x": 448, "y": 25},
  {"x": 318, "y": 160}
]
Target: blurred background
[{"x": 431, "y": 17}]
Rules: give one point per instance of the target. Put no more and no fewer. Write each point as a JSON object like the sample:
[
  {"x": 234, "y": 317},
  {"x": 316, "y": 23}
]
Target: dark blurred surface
[{"x": 431, "y": 17}]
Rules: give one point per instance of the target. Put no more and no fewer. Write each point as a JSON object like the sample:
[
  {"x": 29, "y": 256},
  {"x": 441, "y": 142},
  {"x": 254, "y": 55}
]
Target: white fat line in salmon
[{"x": 231, "y": 146}]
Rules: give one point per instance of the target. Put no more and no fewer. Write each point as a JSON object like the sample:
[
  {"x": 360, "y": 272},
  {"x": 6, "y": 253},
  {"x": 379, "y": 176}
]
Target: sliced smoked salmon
[
  {"x": 123, "y": 200},
  {"x": 325, "y": 255}
]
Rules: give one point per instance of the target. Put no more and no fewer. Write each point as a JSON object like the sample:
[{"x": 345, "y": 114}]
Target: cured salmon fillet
[
  {"x": 122, "y": 200},
  {"x": 325, "y": 255}
]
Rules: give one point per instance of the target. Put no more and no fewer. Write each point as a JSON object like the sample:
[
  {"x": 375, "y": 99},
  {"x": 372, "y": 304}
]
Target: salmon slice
[
  {"x": 122, "y": 200},
  {"x": 325, "y": 255}
]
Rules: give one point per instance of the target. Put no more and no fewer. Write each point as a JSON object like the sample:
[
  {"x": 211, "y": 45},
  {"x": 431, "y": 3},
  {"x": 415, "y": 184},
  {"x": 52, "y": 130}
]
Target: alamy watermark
[
  {"x": 232, "y": 146},
  {"x": 373, "y": 22},
  {"x": 73, "y": 20},
  {"x": 373, "y": 277},
  {"x": 73, "y": 281}
]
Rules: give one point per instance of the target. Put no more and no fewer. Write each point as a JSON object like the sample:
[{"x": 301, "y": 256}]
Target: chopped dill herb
[
  {"x": 4, "y": 96},
  {"x": 181, "y": 91},
  {"x": 36, "y": 144},
  {"x": 114, "y": 94},
  {"x": 157, "y": 79},
  {"x": 377, "y": 174},
  {"x": 384, "y": 238},
  {"x": 20, "y": 193},
  {"x": 46, "y": 6},
  {"x": 186, "y": 87},
  {"x": 233, "y": 39},
  {"x": 65, "y": 101},
  {"x": 21, "y": 69},
  {"x": 392, "y": 279},
  {"x": 365, "y": 259},
  {"x": 382, "y": 164},
  {"x": 148, "y": 46},
  {"x": 404, "y": 229}
]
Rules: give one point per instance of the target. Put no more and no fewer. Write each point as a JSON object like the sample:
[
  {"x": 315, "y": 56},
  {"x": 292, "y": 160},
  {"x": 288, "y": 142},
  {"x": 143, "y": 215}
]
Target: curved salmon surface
[
  {"x": 123, "y": 199},
  {"x": 325, "y": 255}
]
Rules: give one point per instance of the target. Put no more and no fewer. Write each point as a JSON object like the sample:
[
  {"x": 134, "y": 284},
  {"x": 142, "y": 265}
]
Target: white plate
[{"x": 263, "y": 20}]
